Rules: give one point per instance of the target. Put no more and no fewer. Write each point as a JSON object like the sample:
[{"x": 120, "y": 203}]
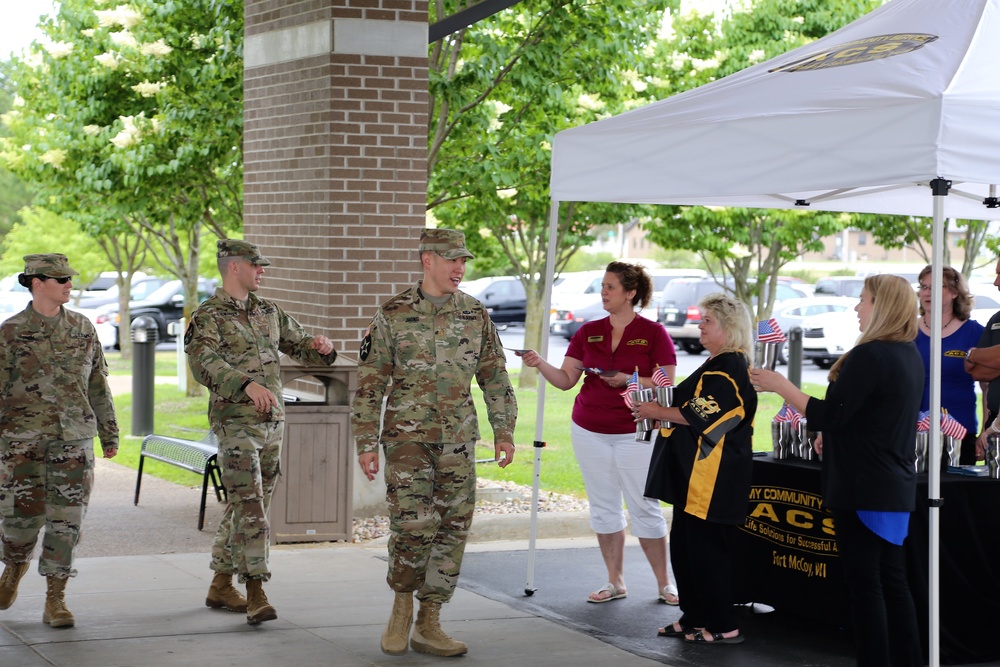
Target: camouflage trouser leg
[
  {"x": 248, "y": 457},
  {"x": 431, "y": 491},
  {"x": 45, "y": 483}
]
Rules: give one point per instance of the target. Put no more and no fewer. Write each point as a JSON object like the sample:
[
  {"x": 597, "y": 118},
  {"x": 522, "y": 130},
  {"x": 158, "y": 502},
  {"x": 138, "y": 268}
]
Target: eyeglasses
[{"x": 62, "y": 280}]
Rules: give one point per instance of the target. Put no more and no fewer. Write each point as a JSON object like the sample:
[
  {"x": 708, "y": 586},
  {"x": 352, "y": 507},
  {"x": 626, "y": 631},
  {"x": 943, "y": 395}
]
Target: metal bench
[{"x": 197, "y": 456}]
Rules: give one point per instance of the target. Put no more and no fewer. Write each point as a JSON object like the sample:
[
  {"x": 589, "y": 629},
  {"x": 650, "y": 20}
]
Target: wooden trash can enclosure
[{"x": 313, "y": 498}]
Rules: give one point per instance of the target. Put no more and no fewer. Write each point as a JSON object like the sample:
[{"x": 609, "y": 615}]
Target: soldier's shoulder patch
[
  {"x": 189, "y": 333},
  {"x": 366, "y": 345}
]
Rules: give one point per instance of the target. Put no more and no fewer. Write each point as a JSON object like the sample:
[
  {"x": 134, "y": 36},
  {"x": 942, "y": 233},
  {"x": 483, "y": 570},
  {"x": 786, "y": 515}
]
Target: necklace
[{"x": 943, "y": 326}]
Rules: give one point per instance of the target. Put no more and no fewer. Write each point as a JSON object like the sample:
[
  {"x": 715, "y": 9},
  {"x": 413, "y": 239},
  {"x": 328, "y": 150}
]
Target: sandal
[
  {"x": 669, "y": 595},
  {"x": 612, "y": 594},
  {"x": 717, "y": 638},
  {"x": 672, "y": 631}
]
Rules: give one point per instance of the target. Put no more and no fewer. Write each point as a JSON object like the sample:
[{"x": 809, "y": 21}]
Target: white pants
[{"x": 614, "y": 467}]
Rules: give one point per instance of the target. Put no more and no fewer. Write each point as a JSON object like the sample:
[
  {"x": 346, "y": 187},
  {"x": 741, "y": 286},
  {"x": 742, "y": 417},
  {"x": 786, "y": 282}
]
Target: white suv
[{"x": 827, "y": 336}]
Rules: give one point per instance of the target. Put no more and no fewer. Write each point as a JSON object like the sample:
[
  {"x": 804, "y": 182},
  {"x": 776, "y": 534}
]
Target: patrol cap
[
  {"x": 51, "y": 264},
  {"x": 237, "y": 248},
  {"x": 449, "y": 243}
]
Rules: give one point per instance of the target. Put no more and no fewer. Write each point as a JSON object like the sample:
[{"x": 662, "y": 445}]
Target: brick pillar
[{"x": 335, "y": 150}]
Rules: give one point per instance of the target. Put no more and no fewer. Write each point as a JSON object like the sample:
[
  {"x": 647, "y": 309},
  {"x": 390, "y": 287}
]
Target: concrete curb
[
  {"x": 507, "y": 527},
  {"x": 504, "y": 527}
]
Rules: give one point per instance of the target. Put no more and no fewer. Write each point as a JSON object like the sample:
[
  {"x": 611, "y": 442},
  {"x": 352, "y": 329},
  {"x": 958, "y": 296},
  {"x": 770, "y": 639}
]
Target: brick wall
[{"x": 335, "y": 154}]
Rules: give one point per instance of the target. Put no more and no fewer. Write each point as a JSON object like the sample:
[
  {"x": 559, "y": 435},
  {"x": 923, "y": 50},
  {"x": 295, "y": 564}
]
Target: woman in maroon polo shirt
[{"x": 613, "y": 464}]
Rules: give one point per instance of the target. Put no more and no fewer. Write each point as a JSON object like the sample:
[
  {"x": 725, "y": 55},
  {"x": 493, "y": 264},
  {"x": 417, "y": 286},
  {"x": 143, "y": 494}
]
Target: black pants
[
  {"x": 882, "y": 611},
  {"x": 702, "y": 560}
]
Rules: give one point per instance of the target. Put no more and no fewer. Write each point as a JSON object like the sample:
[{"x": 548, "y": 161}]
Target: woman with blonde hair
[
  {"x": 868, "y": 428},
  {"x": 702, "y": 465}
]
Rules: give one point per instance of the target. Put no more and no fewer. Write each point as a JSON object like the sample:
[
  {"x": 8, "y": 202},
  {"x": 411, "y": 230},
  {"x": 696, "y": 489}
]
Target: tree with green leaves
[
  {"x": 14, "y": 194},
  {"x": 500, "y": 90},
  {"x": 128, "y": 120},
  {"x": 750, "y": 245},
  {"x": 917, "y": 232},
  {"x": 42, "y": 231}
]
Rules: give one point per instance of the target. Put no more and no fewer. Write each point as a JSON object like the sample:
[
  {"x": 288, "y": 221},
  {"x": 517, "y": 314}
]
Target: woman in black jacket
[
  {"x": 868, "y": 424},
  {"x": 702, "y": 465}
]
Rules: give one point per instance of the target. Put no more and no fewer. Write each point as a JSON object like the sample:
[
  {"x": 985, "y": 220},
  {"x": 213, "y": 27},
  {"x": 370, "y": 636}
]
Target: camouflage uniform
[
  {"x": 54, "y": 398},
  {"x": 229, "y": 344},
  {"x": 423, "y": 358}
]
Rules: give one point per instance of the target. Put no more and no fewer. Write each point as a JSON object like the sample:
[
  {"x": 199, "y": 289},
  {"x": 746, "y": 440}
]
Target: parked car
[
  {"x": 827, "y": 336},
  {"x": 566, "y": 321},
  {"x": 792, "y": 312},
  {"x": 839, "y": 286},
  {"x": 987, "y": 302},
  {"x": 107, "y": 333},
  {"x": 503, "y": 297},
  {"x": 678, "y": 309},
  {"x": 142, "y": 287},
  {"x": 12, "y": 303},
  {"x": 165, "y": 305},
  {"x": 571, "y": 310},
  {"x": 13, "y": 296}
]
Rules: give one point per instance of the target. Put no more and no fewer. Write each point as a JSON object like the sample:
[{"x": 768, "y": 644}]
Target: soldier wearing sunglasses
[{"x": 54, "y": 398}]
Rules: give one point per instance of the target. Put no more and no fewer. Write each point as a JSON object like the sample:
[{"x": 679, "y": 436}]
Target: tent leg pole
[
  {"x": 939, "y": 189},
  {"x": 550, "y": 267}
]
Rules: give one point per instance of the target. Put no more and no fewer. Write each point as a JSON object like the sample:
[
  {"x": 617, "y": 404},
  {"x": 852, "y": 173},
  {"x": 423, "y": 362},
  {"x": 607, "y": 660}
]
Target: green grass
[
  {"x": 174, "y": 415},
  {"x": 180, "y": 416},
  {"x": 165, "y": 363}
]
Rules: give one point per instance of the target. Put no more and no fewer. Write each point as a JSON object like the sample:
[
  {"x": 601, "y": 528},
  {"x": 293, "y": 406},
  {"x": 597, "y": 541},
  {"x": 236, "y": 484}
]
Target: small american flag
[
  {"x": 797, "y": 417},
  {"x": 784, "y": 414},
  {"x": 924, "y": 421},
  {"x": 950, "y": 426},
  {"x": 660, "y": 378},
  {"x": 633, "y": 385},
  {"x": 770, "y": 332}
]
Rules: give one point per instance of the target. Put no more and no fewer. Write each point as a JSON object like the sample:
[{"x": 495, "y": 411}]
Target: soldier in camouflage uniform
[
  {"x": 54, "y": 398},
  {"x": 233, "y": 344},
  {"x": 423, "y": 349}
]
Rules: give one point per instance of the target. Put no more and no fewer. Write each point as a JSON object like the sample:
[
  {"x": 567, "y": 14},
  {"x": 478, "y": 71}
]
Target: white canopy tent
[{"x": 896, "y": 113}]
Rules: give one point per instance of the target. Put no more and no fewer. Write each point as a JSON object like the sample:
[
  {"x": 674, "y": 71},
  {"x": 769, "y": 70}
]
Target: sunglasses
[{"x": 62, "y": 281}]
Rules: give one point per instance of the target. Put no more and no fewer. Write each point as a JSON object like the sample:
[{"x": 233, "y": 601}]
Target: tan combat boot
[
  {"x": 12, "y": 575},
  {"x": 396, "y": 638},
  {"x": 428, "y": 637},
  {"x": 56, "y": 614},
  {"x": 223, "y": 595},
  {"x": 258, "y": 609}
]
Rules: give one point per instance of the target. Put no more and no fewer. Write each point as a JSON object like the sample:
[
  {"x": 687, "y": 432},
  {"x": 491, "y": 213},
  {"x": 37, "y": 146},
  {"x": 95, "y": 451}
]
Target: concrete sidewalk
[
  {"x": 332, "y": 604},
  {"x": 146, "y": 608}
]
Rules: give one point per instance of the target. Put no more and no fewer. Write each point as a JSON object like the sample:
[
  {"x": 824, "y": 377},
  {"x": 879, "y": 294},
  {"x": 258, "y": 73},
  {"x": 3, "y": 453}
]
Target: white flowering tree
[{"x": 128, "y": 119}]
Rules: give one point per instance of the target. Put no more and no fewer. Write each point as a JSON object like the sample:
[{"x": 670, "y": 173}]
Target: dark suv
[
  {"x": 678, "y": 307},
  {"x": 165, "y": 305},
  {"x": 503, "y": 297}
]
